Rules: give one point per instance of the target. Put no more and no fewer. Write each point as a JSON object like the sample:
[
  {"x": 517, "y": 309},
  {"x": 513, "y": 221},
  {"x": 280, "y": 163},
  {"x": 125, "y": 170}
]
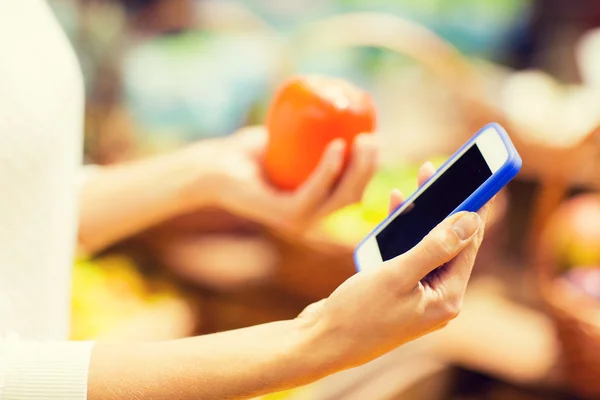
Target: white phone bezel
[{"x": 494, "y": 152}]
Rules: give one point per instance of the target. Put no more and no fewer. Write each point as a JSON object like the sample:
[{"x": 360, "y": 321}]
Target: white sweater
[{"x": 41, "y": 108}]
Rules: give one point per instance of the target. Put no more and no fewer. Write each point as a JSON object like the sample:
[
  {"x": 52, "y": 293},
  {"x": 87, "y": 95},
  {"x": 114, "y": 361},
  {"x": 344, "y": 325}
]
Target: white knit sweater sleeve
[
  {"x": 41, "y": 122},
  {"x": 87, "y": 173},
  {"x": 43, "y": 370}
]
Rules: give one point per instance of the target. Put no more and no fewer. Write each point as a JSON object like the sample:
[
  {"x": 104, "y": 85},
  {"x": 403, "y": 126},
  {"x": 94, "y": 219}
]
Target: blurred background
[{"x": 163, "y": 73}]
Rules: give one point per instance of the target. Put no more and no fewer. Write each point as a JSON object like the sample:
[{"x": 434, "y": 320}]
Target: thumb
[{"x": 440, "y": 246}]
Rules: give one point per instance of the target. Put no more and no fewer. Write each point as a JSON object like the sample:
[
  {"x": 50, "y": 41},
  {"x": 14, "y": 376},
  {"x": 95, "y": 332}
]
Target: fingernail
[
  {"x": 339, "y": 145},
  {"x": 337, "y": 148},
  {"x": 467, "y": 225}
]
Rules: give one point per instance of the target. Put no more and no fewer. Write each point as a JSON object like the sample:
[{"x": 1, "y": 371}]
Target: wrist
[
  {"x": 242, "y": 363},
  {"x": 315, "y": 350},
  {"x": 199, "y": 175}
]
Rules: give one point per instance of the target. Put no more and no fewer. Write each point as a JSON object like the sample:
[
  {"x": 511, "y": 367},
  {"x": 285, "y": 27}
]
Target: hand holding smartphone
[{"x": 468, "y": 180}]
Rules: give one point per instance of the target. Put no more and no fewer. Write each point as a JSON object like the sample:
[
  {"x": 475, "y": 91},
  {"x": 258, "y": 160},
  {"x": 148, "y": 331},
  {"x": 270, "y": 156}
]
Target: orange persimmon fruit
[{"x": 306, "y": 114}]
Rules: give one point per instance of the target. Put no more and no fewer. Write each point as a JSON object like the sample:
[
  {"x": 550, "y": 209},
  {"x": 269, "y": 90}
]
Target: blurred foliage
[
  {"x": 201, "y": 83},
  {"x": 108, "y": 292}
]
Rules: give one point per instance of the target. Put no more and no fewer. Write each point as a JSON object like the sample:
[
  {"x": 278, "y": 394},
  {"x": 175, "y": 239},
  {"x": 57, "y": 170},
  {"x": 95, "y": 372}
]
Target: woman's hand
[
  {"x": 241, "y": 188},
  {"x": 370, "y": 314},
  {"x": 377, "y": 310}
]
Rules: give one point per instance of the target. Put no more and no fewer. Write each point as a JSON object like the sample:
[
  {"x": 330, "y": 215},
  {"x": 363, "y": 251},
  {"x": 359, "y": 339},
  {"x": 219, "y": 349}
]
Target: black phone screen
[{"x": 434, "y": 204}]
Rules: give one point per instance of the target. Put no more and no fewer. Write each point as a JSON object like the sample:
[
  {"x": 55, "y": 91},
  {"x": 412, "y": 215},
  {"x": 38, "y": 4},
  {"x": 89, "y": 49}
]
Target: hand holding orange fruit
[
  {"x": 305, "y": 116},
  {"x": 315, "y": 156}
]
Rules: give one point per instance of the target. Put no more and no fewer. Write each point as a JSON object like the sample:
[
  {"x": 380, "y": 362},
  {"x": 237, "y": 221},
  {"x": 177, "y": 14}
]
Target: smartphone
[{"x": 466, "y": 182}]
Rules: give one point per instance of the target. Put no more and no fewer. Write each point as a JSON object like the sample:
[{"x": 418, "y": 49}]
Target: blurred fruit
[
  {"x": 107, "y": 293},
  {"x": 586, "y": 279},
  {"x": 307, "y": 113},
  {"x": 575, "y": 231}
]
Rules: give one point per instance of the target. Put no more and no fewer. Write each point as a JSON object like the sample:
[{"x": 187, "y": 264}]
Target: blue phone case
[{"x": 485, "y": 192}]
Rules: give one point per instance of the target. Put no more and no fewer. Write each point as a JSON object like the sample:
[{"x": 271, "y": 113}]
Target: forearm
[
  {"x": 230, "y": 365},
  {"x": 122, "y": 200}
]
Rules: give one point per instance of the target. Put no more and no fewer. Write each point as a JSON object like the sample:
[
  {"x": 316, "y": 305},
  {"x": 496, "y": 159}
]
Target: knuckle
[
  {"x": 348, "y": 198},
  {"x": 480, "y": 235},
  {"x": 340, "y": 201},
  {"x": 442, "y": 247},
  {"x": 394, "y": 283},
  {"x": 356, "y": 197},
  {"x": 452, "y": 308},
  {"x": 452, "y": 313},
  {"x": 291, "y": 222},
  {"x": 324, "y": 174},
  {"x": 331, "y": 170}
]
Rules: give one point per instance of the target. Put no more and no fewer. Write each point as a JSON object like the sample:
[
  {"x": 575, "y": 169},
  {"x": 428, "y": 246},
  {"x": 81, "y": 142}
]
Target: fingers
[
  {"x": 318, "y": 187},
  {"x": 440, "y": 246},
  {"x": 356, "y": 177},
  {"x": 462, "y": 266},
  {"x": 484, "y": 212},
  {"x": 396, "y": 199},
  {"x": 425, "y": 172}
]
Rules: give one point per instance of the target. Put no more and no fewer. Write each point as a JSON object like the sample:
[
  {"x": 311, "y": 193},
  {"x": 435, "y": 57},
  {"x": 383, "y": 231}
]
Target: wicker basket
[
  {"x": 407, "y": 38},
  {"x": 576, "y": 316}
]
